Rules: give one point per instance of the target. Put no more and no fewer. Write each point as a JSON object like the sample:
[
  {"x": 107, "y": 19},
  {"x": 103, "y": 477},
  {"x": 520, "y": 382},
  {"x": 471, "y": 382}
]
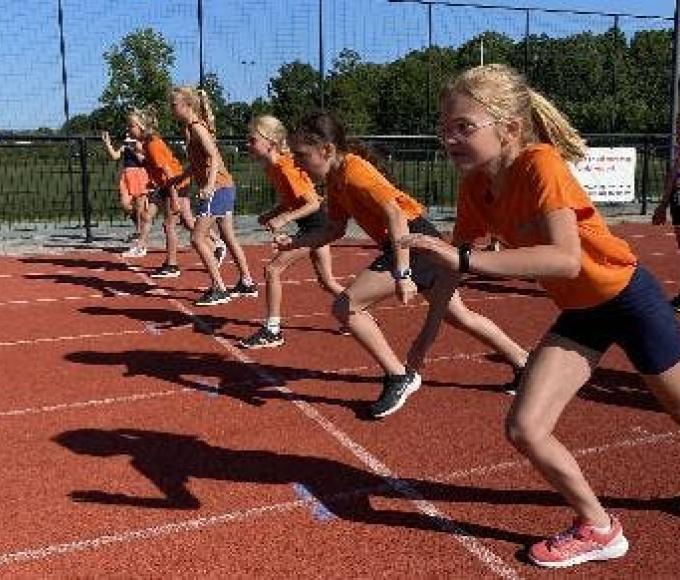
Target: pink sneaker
[{"x": 580, "y": 543}]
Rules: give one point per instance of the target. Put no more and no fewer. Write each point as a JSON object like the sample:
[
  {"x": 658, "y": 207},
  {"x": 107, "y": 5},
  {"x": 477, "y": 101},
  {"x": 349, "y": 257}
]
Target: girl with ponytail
[
  {"x": 357, "y": 188},
  {"x": 511, "y": 146},
  {"x": 216, "y": 192}
]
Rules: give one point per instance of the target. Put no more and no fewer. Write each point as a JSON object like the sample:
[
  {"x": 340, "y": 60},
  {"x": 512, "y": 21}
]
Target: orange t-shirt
[
  {"x": 200, "y": 167},
  {"x": 539, "y": 182},
  {"x": 159, "y": 160},
  {"x": 293, "y": 185},
  {"x": 360, "y": 191}
]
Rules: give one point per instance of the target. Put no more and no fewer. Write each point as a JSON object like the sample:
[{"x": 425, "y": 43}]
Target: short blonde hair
[
  {"x": 505, "y": 93},
  {"x": 199, "y": 102},
  {"x": 146, "y": 117},
  {"x": 271, "y": 129}
]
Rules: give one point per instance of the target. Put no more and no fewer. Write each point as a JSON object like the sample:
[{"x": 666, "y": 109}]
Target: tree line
[{"x": 605, "y": 83}]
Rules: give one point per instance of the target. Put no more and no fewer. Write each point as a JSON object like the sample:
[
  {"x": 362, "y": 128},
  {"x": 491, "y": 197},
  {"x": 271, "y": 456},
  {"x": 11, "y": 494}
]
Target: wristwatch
[{"x": 404, "y": 274}]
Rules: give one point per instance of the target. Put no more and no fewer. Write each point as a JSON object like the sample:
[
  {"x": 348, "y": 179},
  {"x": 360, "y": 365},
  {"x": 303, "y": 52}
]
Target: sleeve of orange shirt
[
  {"x": 301, "y": 185},
  {"x": 469, "y": 225},
  {"x": 555, "y": 186},
  {"x": 162, "y": 158}
]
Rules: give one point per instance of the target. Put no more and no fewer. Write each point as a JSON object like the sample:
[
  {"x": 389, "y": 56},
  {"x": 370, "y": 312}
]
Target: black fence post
[
  {"x": 85, "y": 189},
  {"x": 645, "y": 176}
]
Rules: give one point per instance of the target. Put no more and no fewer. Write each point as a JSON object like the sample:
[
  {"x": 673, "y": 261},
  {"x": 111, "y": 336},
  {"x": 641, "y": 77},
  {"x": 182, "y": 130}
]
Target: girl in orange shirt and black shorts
[
  {"x": 357, "y": 189},
  {"x": 511, "y": 146},
  {"x": 297, "y": 202}
]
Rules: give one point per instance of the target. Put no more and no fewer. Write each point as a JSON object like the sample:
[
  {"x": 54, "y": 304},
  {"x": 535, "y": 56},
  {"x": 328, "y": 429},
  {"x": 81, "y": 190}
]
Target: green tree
[
  {"x": 139, "y": 75},
  {"x": 294, "y": 91}
]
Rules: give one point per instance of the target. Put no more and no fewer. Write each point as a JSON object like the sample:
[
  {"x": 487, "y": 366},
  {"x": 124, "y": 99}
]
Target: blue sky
[{"x": 245, "y": 40}]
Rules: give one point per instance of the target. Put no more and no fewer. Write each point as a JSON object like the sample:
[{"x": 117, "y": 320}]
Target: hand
[
  {"x": 439, "y": 250},
  {"x": 276, "y": 223},
  {"x": 406, "y": 289},
  {"x": 283, "y": 243},
  {"x": 205, "y": 192},
  {"x": 106, "y": 138},
  {"x": 659, "y": 215}
]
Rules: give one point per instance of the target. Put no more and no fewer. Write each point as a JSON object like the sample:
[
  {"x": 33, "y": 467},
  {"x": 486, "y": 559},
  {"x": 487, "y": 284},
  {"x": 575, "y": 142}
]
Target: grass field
[{"x": 42, "y": 181}]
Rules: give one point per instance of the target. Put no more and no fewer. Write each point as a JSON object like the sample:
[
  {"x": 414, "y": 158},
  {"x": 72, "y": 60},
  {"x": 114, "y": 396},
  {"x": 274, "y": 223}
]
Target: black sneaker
[
  {"x": 212, "y": 297},
  {"x": 166, "y": 271},
  {"x": 396, "y": 389},
  {"x": 263, "y": 338},
  {"x": 242, "y": 290},
  {"x": 675, "y": 303}
]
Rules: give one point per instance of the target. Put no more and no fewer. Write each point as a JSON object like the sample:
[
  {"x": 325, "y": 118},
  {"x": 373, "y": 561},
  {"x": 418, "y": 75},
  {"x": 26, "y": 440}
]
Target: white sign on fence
[{"x": 608, "y": 173}]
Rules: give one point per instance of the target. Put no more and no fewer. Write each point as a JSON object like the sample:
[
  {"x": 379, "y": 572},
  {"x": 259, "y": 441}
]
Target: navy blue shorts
[
  {"x": 219, "y": 204},
  {"x": 424, "y": 269},
  {"x": 640, "y": 320}
]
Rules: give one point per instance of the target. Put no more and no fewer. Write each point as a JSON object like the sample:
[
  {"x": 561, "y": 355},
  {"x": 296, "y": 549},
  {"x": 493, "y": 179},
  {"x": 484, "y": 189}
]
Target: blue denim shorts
[
  {"x": 640, "y": 320},
  {"x": 219, "y": 204}
]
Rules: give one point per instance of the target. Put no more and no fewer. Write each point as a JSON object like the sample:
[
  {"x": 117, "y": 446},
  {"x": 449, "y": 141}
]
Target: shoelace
[{"x": 558, "y": 541}]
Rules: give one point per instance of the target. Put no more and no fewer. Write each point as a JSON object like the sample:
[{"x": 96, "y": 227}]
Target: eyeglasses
[{"x": 460, "y": 130}]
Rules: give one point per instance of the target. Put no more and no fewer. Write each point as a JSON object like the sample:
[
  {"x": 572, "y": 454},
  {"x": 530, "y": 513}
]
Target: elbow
[{"x": 572, "y": 266}]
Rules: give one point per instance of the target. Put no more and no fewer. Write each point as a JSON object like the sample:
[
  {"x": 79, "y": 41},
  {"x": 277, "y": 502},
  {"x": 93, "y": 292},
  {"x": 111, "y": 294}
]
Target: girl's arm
[
  {"x": 397, "y": 228},
  {"x": 114, "y": 154},
  {"x": 559, "y": 257},
  {"x": 264, "y": 217}
]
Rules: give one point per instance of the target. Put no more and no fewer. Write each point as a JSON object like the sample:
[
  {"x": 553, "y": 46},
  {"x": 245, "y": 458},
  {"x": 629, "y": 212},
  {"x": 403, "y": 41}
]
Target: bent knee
[{"x": 524, "y": 435}]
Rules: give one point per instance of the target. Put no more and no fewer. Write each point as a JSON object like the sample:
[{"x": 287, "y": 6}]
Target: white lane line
[
  {"x": 94, "y": 403},
  {"x": 171, "y": 528},
  {"x": 145, "y": 330},
  {"x": 472, "y": 544}
]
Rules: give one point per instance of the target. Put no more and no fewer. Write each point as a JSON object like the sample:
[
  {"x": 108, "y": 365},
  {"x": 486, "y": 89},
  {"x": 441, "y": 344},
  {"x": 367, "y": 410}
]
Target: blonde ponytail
[
  {"x": 199, "y": 102},
  {"x": 205, "y": 110},
  {"x": 504, "y": 93},
  {"x": 551, "y": 126}
]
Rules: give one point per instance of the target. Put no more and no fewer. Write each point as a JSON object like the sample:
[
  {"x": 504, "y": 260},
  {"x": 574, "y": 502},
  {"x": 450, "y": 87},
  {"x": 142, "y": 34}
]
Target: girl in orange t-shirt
[
  {"x": 297, "y": 202},
  {"x": 217, "y": 195},
  {"x": 357, "y": 189},
  {"x": 170, "y": 193},
  {"x": 511, "y": 146}
]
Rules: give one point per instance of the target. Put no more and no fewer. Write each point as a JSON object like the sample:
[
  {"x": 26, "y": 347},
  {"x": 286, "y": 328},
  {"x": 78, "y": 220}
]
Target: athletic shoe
[
  {"x": 212, "y": 297},
  {"x": 134, "y": 252},
  {"x": 580, "y": 543},
  {"x": 242, "y": 290},
  {"x": 263, "y": 338},
  {"x": 396, "y": 389},
  {"x": 675, "y": 303},
  {"x": 166, "y": 271},
  {"x": 220, "y": 252}
]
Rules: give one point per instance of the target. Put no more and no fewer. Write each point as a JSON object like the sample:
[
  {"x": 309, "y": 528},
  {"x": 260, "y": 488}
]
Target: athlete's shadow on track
[
  {"x": 501, "y": 286},
  {"x": 86, "y": 263},
  {"x": 204, "y": 323},
  {"x": 171, "y": 460},
  {"x": 252, "y": 384}
]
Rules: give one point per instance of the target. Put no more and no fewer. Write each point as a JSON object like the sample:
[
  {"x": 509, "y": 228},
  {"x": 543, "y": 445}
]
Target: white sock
[
  {"x": 273, "y": 324},
  {"x": 603, "y": 530}
]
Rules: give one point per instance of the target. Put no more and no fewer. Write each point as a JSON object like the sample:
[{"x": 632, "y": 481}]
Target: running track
[{"x": 138, "y": 441}]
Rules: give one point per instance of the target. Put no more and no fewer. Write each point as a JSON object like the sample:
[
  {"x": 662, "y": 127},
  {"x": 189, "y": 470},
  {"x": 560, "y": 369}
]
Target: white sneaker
[{"x": 134, "y": 252}]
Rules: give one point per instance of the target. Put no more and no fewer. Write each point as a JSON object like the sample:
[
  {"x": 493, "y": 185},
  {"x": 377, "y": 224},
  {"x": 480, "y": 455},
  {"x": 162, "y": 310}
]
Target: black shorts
[
  {"x": 315, "y": 221},
  {"x": 675, "y": 213},
  {"x": 423, "y": 269},
  {"x": 640, "y": 320}
]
